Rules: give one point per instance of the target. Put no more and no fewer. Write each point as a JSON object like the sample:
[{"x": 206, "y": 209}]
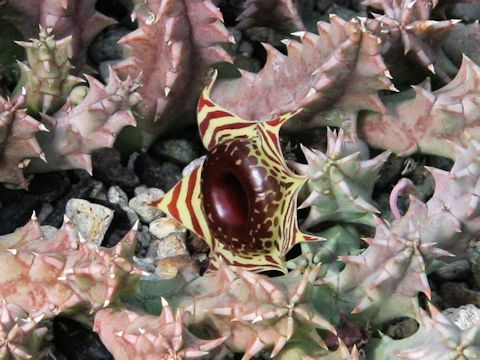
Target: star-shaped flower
[{"x": 242, "y": 199}]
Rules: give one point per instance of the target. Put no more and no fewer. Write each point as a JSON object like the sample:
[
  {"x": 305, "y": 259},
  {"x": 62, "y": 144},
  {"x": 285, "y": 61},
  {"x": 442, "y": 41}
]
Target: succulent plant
[
  {"x": 48, "y": 81},
  {"x": 75, "y": 18},
  {"x": 431, "y": 122},
  {"x": 340, "y": 181},
  {"x": 78, "y": 130},
  {"x": 339, "y": 69},
  {"x": 405, "y": 27},
  {"x": 130, "y": 335},
  {"x": 172, "y": 71},
  {"x": 254, "y": 312},
  {"x": 437, "y": 338},
  {"x": 242, "y": 198},
  {"x": 385, "y": 279},
  {"x": 20, "y": 334},
  {"x": 451, "y": 219},
  {"x": 63, "y": 273},
  {"x": 89, "y": 119},
  {"x": 303, "y": 350},
  {"x": 337, "y": 291},
  {"x": 17, "y": 140}
]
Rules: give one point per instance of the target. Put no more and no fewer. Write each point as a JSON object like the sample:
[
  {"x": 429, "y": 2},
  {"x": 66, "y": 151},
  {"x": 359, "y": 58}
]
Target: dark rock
[
  {"x": 231, "y": 9},
  {"x": 163, "y": 176},
  {"x": 424, "y": 182},
  {"x": 49, "y": 187},
  {"x": 462, "y": 40},
  {"x": 180, "y": 151},
  {"x": 439, "y": 162},
  {"x": 107, "y": 167},
  {"x": 80, "y": 190},
  {"x": 468, "y": 12},
  {"x": 16, "y": 207},
  {"x": 261, "y": 34},
  {"x": 458, "y": 294},
  {"x": 78, "y": 174},
  {"x": 196, "y": 245},
  {"x": 390, "y": 173},
  {"x": 76, "y": 342},
  {"x": 324, "y": 5},
  {"x": 105, "y": 46},
  {"x": 117, "y": 9},
  {"x": 455, "y": 271}
]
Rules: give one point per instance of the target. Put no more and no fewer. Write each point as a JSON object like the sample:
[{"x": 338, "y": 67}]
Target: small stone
[
  {"x": 464, "y": 317},
  {"x": 455, "y": 294},
  {"x": 91, "y": 220},
  {"x": 162, "y": 227},
  {"x": 197, "y": 244},
  {"x": 141, "y": 205},
  {"x": 264, "y": 34},
  {"x": 180, "y": 151},
  {"x": 140, "y": 189},
  {"x": 436, "y": 300},
  {"x": 49, "y": 231},
  {"x": 151, "y": 251},
  {"x": 119, "y": 226},
  {"x": 169, "y": 267},
  {"x": 172, "y": 245},
  {"x": 473, "y": 256},
  {"x": 108, "y": 168},
  {"x": 80, "y": 190},
  {"x": 153, "y": 174},
  {"x": 131, "y": 160},
  {"x": 132, "y": 215},
  {"x": 462, "y": 40},
  {"x": 457, "y": 270},
  {"x": 105, "y": 46},
  {"x": 16, "y": 206},
  {"x": 469, "y": 12},
  {"x": 116, "y": 195},
  {"x": 44, "y": 212},
  {"x": 144, "y": 236},
  {"x": 390, "y": 172},
  {"x": 187, "y": 170},
  {"x": 245, "y": 48},
  {"x": 98, "y": 191},
  {"x": 146, "y": 264}
]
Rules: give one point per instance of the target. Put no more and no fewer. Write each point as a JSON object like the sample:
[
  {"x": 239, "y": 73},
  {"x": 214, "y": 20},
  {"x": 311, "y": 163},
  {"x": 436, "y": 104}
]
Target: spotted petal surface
[{"x": 242, "y": 198}]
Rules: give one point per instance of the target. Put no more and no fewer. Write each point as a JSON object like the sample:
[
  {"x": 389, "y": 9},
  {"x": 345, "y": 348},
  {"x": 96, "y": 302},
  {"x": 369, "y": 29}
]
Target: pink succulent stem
[{"x": 404, "y": 186}]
